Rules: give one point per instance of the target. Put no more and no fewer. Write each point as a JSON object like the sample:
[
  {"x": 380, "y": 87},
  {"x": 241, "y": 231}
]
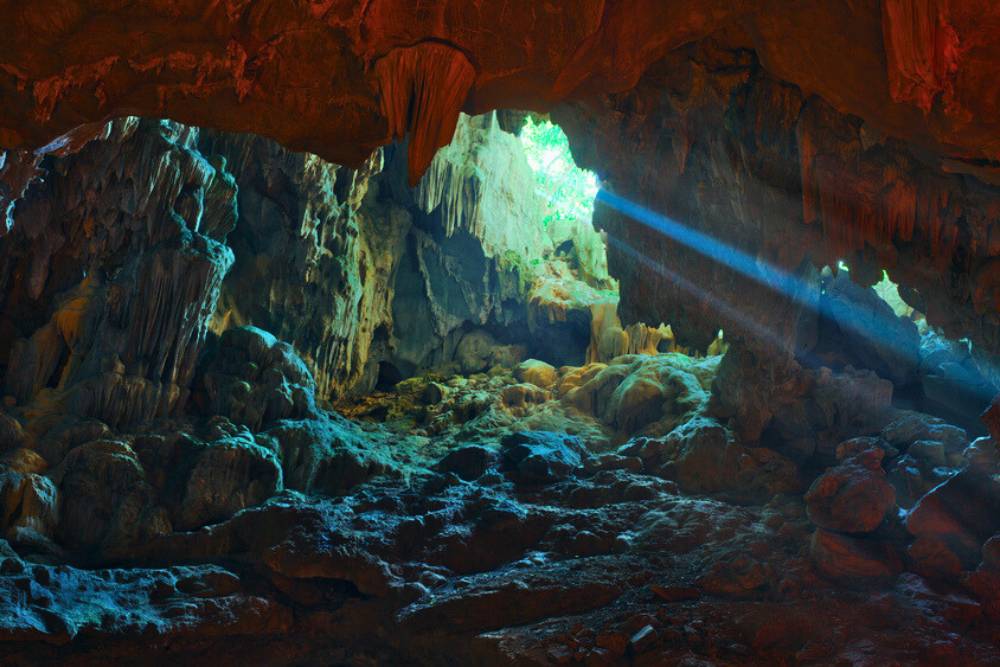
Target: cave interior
[{"x": 601, "y": 333}]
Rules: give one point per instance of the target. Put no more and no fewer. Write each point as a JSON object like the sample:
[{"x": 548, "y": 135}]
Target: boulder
[
  {"x": 541, "y": 457},
  {"x": 519, "y": 398},
  {"x": 853, "y": 497},
  {"x": 326, "y": 454},
  {"x": 226, "y": 476},
  {"x": 537, "y": 373},
  {"x": 255, "y": 380},
  {"x": 107, "y": 501},
  {"x": 27, "y": 500},
  {"x": 911, "y": 427},
  {"x": 703, "y": 456},
  {"x": 849, "y": 315}
]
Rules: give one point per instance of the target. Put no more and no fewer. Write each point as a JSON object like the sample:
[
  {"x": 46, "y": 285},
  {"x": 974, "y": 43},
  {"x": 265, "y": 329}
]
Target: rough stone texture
[
  {"x": 853, "y": 497},
  {"x": 963, "y": 513},
  {"x": 307, "y": 235},
  {"x": 639, "y": 507},
  {"x": 398, "y": 281},
  {"x": 411, "y": 69},
  {"x": 710, "y": 137},
  {"x": 109, "y": 275}
]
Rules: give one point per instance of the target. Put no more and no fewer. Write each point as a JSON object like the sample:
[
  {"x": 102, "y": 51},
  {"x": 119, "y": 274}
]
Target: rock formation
[{"x": 364, "y": 405}]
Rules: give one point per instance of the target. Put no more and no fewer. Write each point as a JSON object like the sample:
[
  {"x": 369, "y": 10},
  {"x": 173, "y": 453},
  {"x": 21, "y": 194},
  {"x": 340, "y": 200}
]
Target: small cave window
[{"x": 567, "y": 190}]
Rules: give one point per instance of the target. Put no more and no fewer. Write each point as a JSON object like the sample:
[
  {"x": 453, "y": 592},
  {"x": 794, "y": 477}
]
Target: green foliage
[{"x": 567, "y": 190}]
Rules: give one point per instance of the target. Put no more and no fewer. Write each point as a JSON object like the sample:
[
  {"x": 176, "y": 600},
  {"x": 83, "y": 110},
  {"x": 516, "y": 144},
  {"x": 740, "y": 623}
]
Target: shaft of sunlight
[{"x": 862, "y": 321}]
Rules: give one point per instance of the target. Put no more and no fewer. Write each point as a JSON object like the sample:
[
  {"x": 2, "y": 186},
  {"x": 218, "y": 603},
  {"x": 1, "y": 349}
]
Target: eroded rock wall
[
  {"x": 709, "y": 139},
  {"x": 371, "y": 280},
  {"x": 110, "y": 272}
]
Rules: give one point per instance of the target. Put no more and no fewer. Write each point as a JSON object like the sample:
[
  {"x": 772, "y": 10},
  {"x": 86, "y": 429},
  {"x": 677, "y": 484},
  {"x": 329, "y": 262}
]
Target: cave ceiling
[{"x": 340, "y": 78}]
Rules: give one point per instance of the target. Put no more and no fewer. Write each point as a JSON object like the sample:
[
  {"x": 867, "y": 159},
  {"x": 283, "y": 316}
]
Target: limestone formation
[{"x": 366, "y": 396}]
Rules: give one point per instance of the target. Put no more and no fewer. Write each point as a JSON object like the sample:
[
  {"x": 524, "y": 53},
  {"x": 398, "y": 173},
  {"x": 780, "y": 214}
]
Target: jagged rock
[
  {"x": 70, "y": 433},
  {"x": 326, "y": 454},
  {"x": 112, "y": 311},
  {"x": 206, "y": 482},
  {"x": 983, "y": 454},
  {"x": 477, "y": 351},
  {"x": 953, "y": 378},
  {"x": 909, "y": 481},
  {"x": 860, "y": 329},
  {"x": 911, "y": 427},
  {"x": 737, "y": 577},
  {"x": 930, "y": 453},
  {"x": 853, "y": 559},
  {"x": 853, "y": 497},
  {"x": 27, "y": 500},
  {"x": 853, "y": 447},
  {"x": 963, "y": 513},
  {"x": 497, "y": 602},
  {"x": 315, "y": 257},
  {"x": 301, "y": 559},
  {"x": 636, "y": 392},
  {"x": 824, "y": 409},
  {"x": 520, "y": 398},
  {"x": 540, "y": 457},
  {"x": 704, "y": 457},
  {"x": 43, "y": 603}
]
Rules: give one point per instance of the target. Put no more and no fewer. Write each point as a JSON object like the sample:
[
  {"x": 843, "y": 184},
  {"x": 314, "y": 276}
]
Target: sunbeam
[{"x": 865, "y": 322}]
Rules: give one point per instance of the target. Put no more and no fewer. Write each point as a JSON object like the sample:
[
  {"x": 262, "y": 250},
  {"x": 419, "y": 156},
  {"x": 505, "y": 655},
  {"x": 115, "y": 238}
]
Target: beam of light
[
  {"x": 873, "y": 326},
  {"x": 724, "y": 308},
  {"x": 717, "y": 251}
]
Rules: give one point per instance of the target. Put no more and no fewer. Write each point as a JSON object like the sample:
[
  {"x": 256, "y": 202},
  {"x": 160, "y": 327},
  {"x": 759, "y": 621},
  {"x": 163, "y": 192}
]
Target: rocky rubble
[{"x": 534, "y": 546}]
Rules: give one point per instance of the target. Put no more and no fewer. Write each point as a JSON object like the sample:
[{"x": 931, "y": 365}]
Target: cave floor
[{"x": 491, "y": 541}]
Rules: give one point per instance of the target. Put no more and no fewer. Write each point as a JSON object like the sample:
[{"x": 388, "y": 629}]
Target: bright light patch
[{"x": 567, "y": 190}]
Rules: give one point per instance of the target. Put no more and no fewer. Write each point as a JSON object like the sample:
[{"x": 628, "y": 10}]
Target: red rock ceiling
[{"x": 339, "y": 78}]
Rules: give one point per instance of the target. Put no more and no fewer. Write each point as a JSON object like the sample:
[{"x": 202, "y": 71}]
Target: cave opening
[{"x": 693, "y": 363}]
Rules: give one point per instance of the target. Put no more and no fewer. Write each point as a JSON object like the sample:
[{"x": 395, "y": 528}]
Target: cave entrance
[
  {"x": 931, "y": 372},
  {"x": 567, "y": 191}
]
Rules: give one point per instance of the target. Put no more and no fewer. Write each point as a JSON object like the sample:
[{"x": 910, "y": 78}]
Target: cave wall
[
  {"x": 110, "y": 274},
  {"x": 916, "y": 71},
  {"x": 134, "y": 244},
  {"x": 315, "y": 260},
  {"x": 360, "y": 272},
  {"x": 710, "y": 139}
]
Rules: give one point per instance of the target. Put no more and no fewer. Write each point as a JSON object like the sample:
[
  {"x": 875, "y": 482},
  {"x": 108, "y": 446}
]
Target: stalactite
[
  {"x": 423, "y": 89},
  {"x": 922, "y": 50}
]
